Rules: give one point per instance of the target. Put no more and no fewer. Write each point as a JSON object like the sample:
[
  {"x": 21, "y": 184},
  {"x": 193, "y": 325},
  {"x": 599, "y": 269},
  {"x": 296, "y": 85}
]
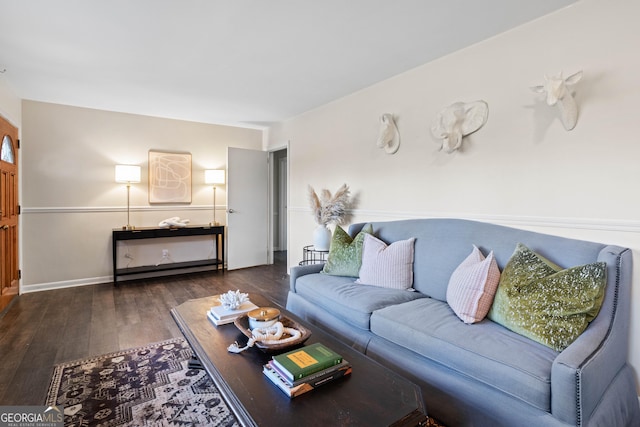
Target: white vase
[{"x": 321, "y": 238}]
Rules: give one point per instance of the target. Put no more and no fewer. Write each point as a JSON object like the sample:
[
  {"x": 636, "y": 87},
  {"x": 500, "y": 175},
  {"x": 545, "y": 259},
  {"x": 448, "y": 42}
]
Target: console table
[{"x": 153, "y": 232}]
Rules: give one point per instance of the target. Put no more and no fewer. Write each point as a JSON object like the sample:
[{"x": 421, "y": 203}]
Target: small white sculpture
[
  {"x": 558, "y": 93},
  {"x": 389, "y": 137},
  {"x": 457, "y": 121},
  {"x": 174, "y": 221},
  {"x": 232, "y": 300}
]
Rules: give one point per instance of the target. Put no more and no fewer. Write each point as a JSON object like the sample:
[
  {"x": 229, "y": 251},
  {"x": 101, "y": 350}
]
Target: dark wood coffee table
[{"x": 371, "y": 396}]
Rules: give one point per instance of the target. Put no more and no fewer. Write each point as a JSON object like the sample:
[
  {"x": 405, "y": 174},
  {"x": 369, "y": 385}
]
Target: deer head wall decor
[{"x": 558, "y": 92}]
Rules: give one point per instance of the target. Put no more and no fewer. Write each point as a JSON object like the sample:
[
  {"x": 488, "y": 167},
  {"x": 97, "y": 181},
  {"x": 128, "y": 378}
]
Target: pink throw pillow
[
  {"x": 387, "y": 266},
  {"x": 473, "y": 285}
]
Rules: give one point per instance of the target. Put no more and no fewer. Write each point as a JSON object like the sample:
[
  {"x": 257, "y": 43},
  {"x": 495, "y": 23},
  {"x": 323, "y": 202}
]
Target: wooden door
[{"x": 9, "y": 210}]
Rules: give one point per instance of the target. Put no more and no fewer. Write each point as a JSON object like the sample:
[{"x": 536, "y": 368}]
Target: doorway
[{"x": 279, "y": 199}]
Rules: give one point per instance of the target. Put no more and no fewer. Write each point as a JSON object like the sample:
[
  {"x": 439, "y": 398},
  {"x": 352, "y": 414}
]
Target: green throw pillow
[
  {"x": 345, "y": 253},
  {"x": 541, "y": 301}
]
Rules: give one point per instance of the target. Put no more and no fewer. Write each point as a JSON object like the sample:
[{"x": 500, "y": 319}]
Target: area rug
[{"x": 146, "y": 386}]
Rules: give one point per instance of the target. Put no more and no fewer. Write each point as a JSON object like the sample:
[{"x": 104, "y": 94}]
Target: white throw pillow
[
  {"x": 387, "y": 266},
  {"x": 473, "y": 285}
]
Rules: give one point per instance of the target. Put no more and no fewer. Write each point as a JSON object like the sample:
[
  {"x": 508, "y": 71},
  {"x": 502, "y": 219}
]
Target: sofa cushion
[
  {"x": 473, "y": 285},
  {"x": 388, "y": 266},
  {"x": 345, "y": 253},
  {"x": 347, "y": 300},
  {"x": 539, "y": 300},
  {"x": 485, "y": 351}
]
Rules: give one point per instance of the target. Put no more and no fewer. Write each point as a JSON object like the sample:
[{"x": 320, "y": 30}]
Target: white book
[
  {"x": 219, "y": 322},
  {"x": 224, "y": 315}
]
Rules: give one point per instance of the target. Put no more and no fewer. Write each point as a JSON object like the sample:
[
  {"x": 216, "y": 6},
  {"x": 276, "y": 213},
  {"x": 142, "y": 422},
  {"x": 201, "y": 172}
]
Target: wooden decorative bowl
[{"x": 242, "y": 323}]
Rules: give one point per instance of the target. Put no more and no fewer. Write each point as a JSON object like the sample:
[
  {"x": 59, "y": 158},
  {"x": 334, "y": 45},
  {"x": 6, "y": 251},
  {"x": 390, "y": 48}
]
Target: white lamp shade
[
  {"x": 214, "y": 176},
  {"x": 127, "y": 173}
]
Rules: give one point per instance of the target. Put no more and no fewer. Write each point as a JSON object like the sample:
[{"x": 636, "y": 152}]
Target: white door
[{"x": 247, "y": 208}]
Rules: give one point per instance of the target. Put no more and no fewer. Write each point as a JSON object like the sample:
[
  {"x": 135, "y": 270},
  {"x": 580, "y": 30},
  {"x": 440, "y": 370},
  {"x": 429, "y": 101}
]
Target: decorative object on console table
[
  {"x": 311, "y": 255},
  {"x": 305, "y": 361},
  {"x": 152, "y": 233},
  {"x": 213, "y": 177},
  {"x": 128, "y": 174}
]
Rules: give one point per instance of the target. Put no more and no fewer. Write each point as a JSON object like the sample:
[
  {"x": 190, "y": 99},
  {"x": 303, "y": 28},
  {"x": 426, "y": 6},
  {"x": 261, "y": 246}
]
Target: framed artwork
[{"x": 169, "y": 177}]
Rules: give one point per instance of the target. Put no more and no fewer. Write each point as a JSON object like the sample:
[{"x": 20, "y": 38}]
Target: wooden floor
[{"x": 42, "y": 329}]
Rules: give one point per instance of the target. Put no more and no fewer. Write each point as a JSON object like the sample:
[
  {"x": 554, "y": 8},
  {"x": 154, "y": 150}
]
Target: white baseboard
[{"x": 25, "y": 289}]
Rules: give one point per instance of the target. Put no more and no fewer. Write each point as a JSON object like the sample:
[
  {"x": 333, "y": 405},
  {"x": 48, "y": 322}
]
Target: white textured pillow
[
  {"x": 473, "y": 285},
  {"x": 388, "y": 266}
]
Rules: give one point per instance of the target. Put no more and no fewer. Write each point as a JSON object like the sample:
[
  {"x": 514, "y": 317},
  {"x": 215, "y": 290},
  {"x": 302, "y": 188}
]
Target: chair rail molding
[
  {"x": 598, "y": 224},
  {"x": 105, "y": 209}
]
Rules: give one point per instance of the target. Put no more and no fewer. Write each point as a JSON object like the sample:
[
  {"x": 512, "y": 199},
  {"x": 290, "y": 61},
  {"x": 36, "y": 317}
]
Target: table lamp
[
  {"x": 128, "y": 174},
  {"x": 213, "y": 177}
]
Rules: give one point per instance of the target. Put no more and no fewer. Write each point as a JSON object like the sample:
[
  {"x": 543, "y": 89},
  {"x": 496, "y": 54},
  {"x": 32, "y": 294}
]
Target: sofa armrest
[
  {"x": 581, "y": 374},
  {"x": 302, "y": 270}
]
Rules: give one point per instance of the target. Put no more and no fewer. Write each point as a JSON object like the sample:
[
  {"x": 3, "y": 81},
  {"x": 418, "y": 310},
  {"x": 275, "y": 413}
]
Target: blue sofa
[{"x": 482, "y": 374}]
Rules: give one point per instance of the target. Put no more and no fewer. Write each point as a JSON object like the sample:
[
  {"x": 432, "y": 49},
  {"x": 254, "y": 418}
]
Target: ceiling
[{"x": 245, "y": 62}]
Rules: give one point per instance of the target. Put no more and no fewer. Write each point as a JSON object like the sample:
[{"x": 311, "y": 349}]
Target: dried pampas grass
[{"x": 327, "y": 208}]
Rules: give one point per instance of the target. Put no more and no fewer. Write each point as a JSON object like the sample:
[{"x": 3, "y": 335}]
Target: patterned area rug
[{"x": 146, "y": 386}]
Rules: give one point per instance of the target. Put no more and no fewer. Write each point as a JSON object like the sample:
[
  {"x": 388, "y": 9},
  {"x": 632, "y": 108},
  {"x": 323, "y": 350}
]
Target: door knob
[
  {"x": 5, "y": 227},
  {"x": 230, "y": 210}
]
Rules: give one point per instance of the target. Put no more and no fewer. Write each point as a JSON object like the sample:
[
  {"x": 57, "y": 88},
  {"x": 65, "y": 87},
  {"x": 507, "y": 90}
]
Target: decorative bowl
[{"x": 242, "y": 323}]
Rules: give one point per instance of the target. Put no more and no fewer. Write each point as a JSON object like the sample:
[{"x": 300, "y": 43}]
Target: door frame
[{"x": 271, "y": 197}]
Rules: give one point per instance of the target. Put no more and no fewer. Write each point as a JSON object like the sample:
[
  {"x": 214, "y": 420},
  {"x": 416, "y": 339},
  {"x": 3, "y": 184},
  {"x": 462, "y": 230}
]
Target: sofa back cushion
[{"x": 441, "y": 244}]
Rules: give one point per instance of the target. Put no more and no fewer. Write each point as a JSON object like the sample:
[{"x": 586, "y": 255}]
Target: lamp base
[
  {"x": 128, "y": 227},
  {"x": 214, "y": 223}
]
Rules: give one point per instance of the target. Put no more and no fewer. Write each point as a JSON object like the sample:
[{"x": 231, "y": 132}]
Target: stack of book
[
  {"x": 220, "y": 315},
  {"x": 304, "y": 369}
]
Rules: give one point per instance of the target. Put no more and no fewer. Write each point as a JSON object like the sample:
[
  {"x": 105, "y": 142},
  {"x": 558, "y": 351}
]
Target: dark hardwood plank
[{"x": 42, "y": 329}]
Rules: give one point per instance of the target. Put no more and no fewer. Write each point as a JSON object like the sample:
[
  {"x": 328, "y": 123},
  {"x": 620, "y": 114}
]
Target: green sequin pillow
[
  {"x": 345, "y": 253},
  {"x": 541, "y": 301}
]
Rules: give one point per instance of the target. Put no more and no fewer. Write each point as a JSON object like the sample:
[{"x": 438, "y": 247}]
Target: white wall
[
  {"x": 70, "y": 199},
  {"x": 522, "y": 168},
  {"x": 10, "y": 107}
]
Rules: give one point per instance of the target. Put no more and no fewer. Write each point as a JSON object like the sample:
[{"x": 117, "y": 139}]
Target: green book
[{"x": 307, "y": 360}]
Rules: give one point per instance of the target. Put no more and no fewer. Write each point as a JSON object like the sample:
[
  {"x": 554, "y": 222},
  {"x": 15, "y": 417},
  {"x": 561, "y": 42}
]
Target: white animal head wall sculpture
[
  {"x": 457, "y": 121},
  {"x": 389, "y": 137},
  {"x": 558, "y": 92}
]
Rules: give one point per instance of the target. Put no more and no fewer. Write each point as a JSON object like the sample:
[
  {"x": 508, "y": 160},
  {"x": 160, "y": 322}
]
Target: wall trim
[
  {"x": 25, "y": 289},
  {"x": 50, "y": 286},
  {"x": 107, "y": 209},
  {"x": 515, "y": 220}
]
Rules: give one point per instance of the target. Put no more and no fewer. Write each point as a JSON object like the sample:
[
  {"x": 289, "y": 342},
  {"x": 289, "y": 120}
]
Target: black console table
[{"x": 153, "y": 233}]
